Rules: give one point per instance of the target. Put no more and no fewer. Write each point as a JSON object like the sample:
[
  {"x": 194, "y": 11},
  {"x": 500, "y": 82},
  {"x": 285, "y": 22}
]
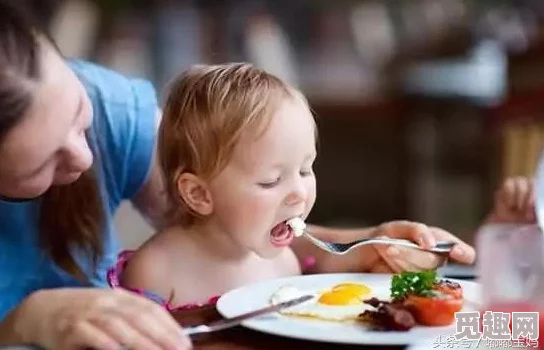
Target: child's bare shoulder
[{"x": 150, "y": 266}]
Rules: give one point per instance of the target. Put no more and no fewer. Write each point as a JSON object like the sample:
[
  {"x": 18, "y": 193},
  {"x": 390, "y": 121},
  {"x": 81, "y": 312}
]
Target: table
[{"x": 240, "y": 338}]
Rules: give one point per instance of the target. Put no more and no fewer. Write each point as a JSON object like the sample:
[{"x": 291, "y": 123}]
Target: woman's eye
[{"x": 269, "y": 184}]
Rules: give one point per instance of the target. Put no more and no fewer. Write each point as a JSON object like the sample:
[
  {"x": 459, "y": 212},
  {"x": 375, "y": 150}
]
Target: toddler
[{"x": 237, "y": 148}]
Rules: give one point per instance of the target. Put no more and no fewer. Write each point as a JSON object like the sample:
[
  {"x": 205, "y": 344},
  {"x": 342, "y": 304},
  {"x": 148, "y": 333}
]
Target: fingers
[
  {"x": 522, "y": 191},
  {"x": 413, "y": 231},
  {"x": 151, "y": 327},
  {"x": 401, "y": 258},
  {"x": 409, "y": 259},
  {"x": 529, "y": 207},
  {"x": 514, "y": 201},
  {"x": 83, "y": 334},
  {"x": 103, "y": 319},
  {"x": 508, "y": 193},
  {"x": 133, "y": 322},
  {"x": 154, "y": 323},
  {"x": 159, "y": 313},
  {"x": 389, "y": 256},
  {"x": 461, "y": 252},
  {"x": 126, "y": 335}
]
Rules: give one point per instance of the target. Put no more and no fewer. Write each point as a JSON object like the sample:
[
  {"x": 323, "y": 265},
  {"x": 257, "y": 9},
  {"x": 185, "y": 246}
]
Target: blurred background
[{"x": 423, "y": 106}]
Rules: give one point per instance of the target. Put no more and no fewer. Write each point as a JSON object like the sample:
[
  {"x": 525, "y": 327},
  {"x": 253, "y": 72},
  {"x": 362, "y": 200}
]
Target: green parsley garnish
[{"x": 418, "y": 283}]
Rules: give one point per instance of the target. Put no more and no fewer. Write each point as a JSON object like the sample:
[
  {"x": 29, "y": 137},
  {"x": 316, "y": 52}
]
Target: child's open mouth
[{"x": 281, "y": 235}]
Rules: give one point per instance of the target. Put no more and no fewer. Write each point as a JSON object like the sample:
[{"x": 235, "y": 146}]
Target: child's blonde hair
[{"x": 208, "y": 109}]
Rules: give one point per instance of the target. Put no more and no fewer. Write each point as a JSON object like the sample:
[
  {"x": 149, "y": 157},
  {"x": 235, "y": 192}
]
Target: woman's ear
[{"x": 195, "y": 193}]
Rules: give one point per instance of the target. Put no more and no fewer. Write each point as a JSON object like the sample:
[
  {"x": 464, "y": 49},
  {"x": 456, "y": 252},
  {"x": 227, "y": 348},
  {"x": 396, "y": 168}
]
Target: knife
[{"x": 234, "y": 321}]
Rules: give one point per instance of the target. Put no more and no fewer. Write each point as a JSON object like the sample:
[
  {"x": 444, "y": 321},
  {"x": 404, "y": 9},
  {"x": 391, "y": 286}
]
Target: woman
[{"x": 76, "y": 140}]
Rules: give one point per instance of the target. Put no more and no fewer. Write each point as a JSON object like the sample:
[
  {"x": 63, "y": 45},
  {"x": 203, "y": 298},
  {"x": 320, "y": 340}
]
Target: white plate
[{"x": 256, "y": 296}]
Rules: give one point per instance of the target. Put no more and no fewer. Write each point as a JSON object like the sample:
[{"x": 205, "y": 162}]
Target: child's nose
[{"x": 296, "y": 196}]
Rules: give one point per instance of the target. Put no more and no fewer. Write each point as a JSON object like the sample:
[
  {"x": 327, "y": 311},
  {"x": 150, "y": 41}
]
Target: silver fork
[{"x": 343, "y": 248}]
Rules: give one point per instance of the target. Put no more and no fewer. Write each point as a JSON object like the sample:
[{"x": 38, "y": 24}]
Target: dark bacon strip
[{"x": 388, "y": 316}]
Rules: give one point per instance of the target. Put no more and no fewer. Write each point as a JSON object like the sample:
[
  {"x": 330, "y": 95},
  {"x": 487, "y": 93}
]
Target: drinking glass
[{"x": 510, "y": 265}]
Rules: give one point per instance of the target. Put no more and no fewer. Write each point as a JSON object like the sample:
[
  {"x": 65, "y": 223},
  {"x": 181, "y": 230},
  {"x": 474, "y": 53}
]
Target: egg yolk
[
  {"x": 352, "y": 288},
  {"x": 345, "y": 294}
]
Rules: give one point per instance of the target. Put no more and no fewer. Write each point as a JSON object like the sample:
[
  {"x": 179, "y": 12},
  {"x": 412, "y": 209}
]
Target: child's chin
[{"x": 270, "y": 252}]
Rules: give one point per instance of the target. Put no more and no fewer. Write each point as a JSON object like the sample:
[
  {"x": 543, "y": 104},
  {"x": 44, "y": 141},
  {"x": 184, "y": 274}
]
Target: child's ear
[{"x": 195, "y": 193}]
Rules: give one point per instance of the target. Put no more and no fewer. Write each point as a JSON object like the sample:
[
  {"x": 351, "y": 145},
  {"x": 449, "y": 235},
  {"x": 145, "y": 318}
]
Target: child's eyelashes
[
  {"x": 270, "y": 184},
  {"x": 306, "y": 172},
  {"x": 275, "y": 182}
]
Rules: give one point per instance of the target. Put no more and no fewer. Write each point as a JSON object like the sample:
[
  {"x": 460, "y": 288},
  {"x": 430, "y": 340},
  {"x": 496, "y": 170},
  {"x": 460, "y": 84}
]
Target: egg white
[{"x": 314, "y": 309}]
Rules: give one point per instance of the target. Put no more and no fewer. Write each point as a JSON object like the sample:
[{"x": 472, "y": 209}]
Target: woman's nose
[{"x": 79, "y": 157}]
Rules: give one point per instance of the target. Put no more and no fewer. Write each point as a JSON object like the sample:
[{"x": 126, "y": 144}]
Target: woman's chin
[
  {"x": 22, "y": 193},
  {"x": 66, "y": 179}
]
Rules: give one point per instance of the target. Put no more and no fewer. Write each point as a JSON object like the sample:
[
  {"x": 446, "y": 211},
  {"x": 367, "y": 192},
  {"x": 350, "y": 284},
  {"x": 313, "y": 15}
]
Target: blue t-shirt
[{"x": 124, "y": 131}]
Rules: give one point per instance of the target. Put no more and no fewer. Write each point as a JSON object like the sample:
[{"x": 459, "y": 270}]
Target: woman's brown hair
[{"x": 71, "y": 216}]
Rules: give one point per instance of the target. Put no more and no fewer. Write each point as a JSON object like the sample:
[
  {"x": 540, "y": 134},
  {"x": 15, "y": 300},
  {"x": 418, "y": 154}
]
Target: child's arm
[{"x": 514, "y": 202}]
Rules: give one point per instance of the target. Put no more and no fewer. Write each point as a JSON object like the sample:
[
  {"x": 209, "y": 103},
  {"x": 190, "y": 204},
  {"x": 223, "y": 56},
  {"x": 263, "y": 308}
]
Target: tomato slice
[
  {"x": 450, "y": 288},
  {"x": 434, "y": 311}
]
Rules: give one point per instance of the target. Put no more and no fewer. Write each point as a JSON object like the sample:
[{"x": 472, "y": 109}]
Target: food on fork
[
  {"x": 297, "y": 225},
  {"x": 430, "y": 301}
]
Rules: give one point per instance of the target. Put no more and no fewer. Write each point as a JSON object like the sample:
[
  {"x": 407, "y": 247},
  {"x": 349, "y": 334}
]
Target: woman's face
[{"x": 48, "y": 145}]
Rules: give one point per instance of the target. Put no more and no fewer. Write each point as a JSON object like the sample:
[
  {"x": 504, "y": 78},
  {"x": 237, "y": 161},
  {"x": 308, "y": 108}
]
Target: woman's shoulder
[
  {"x": 124, "y": 127},
  {"x": 111, "y": 86}
]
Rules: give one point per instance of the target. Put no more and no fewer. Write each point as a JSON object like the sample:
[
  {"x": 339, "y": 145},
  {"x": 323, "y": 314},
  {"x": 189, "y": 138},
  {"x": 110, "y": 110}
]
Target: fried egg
[{"x": 341, "y": 302}]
